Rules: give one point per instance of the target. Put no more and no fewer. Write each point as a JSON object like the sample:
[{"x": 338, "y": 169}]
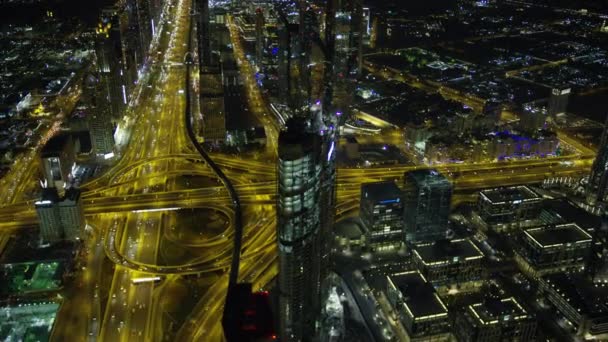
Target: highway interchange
[{"x": 132, "y": 205}]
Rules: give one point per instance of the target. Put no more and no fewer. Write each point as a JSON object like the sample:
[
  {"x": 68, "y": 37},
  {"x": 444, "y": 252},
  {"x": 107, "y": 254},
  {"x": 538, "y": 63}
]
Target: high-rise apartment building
[
  {"x": 427, "y": 199},
  {"x": 298, "y": 225},
  {"x": 98, "y": 116}
]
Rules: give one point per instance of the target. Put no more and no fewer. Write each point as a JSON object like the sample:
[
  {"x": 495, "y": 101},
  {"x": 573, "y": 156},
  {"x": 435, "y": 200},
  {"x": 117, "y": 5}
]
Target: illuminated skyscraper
[
  {"x": 427, "y": 199},
  {"x": 298, "y": 227},
  {"x": 598, "y": 179},
  {"x": 344, "y": 39}
]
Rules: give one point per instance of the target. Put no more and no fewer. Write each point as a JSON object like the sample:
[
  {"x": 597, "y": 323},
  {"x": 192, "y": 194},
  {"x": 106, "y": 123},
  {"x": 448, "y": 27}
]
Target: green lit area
[
  {"x": 27, "y": 321},
  {"x": 29, "y": 277}
]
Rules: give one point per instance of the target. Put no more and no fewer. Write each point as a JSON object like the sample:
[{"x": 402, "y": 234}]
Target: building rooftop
[
  {"x": 419, "y": 297},
  {"x": 72, "y": 194},
  {"x": 55, "y": 145},
  {"x": 428, "y": 176},
  {"x": 492, "y": 311},
  {"x": 383, "y": 192},
  {"x": 549, "y": 236},
  {"x": 296, "y": 142},
  {"x": 445, "y": 252},
  {"x": 561, "y": 210},
  {"x": 580, "y": 292},
  {"x": 513, "y": 194},
  {"x": 49, "y": 195},
  {"x": 349, "y": 229}
]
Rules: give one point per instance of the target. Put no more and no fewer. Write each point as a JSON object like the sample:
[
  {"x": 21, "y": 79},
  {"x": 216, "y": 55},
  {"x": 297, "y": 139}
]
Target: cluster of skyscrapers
[
  {"x": 124, "y": 34},
  {"x": 307, "y": 149}
]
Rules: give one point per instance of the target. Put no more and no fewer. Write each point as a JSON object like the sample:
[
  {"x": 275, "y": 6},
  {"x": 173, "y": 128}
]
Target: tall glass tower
[
  {"x": 427, "y": 199},
  {"x": 298, "y": 230}
]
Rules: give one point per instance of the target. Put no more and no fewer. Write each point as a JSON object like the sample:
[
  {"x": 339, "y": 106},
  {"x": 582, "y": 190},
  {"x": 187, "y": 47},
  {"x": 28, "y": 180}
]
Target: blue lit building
[
  {"x": 427, "y": 196},
  {"x": 381, "y": 211}
]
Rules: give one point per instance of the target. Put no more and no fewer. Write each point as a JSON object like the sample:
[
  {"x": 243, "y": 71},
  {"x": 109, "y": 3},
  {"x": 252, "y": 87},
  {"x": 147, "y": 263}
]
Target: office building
[
  {"x": 445, "y": 262},
  {"x": 56, "y": 158},
  {"x": 580, "y": 301},
  {"x": 550, "y": 249},
  {"x": 298, "y": 224},
  {"x": 427, "y": 198},
  {"x": 418, "y": 307},
  {"x": 61, "y": 218},
  {"x": 558, "y": 102},
  {"x": 381, "y": 210},
  {"x": 493, "y": 320},
  {"x": 506, "y": 208},
  {"x": 597, "y": 188}
]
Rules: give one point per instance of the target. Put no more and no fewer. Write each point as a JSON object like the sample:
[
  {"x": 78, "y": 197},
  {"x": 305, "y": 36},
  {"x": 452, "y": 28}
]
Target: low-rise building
[
  {"x": 506, "y": 208},
  {"x": 549, "y": 249},
  {"x": 495, "y": 320},
  {"x": 447, "y": 262},
  {"x": 421, "y": 311},
  {"x": 580, "y": 301}
]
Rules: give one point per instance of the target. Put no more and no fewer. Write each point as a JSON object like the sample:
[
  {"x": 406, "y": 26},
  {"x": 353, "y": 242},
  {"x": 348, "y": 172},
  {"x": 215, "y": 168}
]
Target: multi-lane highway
[{"x": 131, "y": 206}]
